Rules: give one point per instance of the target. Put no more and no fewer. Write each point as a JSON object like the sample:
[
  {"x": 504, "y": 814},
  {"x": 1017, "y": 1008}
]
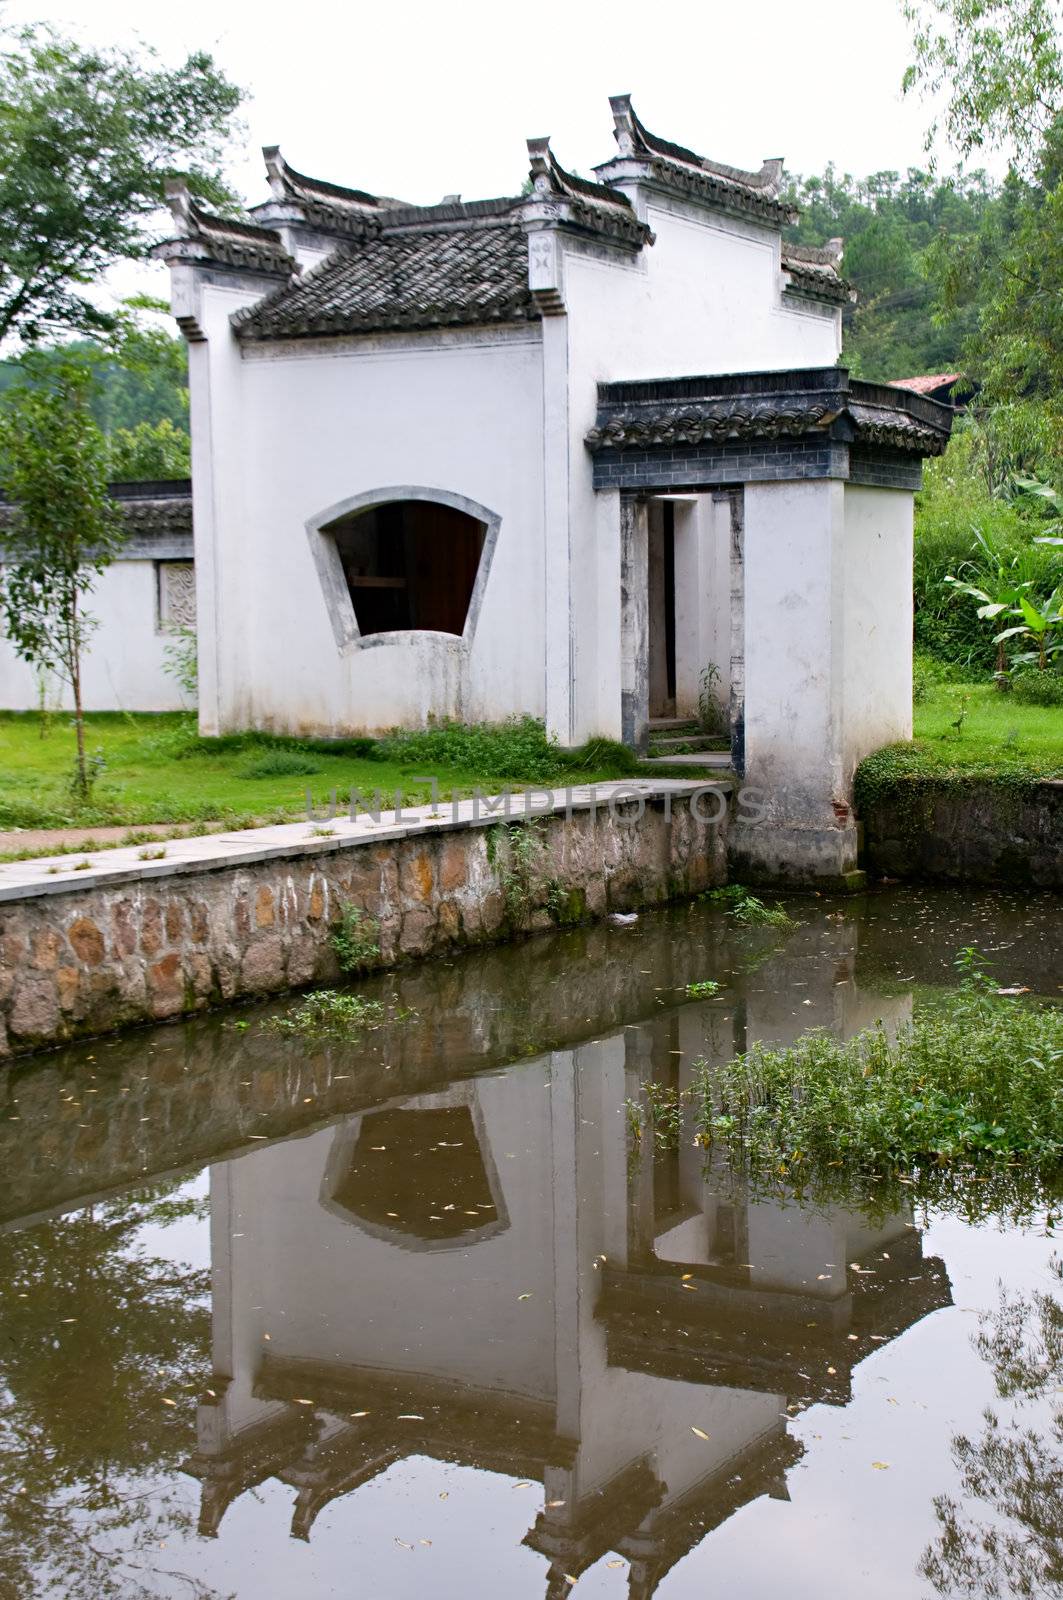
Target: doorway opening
[{"x": 662, "y": 632}]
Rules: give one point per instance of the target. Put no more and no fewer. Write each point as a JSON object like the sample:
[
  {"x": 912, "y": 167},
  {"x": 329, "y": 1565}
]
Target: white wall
[
  {"x": 706, "y": 297},
  {"x": 793, "y": 543},
  {"x": 297, "y": 429},
  {"x": 125, "y": 664},
  {"x": 877, "y": 621}
]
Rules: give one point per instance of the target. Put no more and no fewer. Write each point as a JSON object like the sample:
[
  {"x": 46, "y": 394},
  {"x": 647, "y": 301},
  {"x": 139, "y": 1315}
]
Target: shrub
[
  {"x": 1038, "y": 688},
  {"x": 953, "y": 509},
  {"x": 977, "y": 1086},
  {"x": 279, "y": 764},
  {"x": 517, "y": 749}
]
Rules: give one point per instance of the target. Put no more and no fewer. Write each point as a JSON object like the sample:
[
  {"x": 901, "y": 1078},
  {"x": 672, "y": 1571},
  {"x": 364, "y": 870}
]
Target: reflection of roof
[
  {"x": 481, "y": 1427},
  {"x": 250, "y": 1458},
  {"x": 672, "y": 1531},
  {"x": 735, "y": 1334}
]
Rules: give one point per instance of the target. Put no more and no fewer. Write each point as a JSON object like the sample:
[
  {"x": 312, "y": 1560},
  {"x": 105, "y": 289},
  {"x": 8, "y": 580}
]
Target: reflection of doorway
[{"x": 662, "y": 653}]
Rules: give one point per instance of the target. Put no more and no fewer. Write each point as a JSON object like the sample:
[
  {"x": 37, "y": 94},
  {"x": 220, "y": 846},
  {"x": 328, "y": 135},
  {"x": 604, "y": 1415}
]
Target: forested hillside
[{"x": 893, "y": 228}]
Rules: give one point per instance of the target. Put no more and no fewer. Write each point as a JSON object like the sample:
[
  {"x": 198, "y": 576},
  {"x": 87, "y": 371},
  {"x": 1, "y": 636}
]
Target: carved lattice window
[{"x": 177, "y": 595}]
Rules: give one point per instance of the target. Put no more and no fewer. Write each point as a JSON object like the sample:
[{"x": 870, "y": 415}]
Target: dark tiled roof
[
  {"x": 813, "y": 272},
  {"x": 442, "y": 276},
  {"x": 734, "y": 407},
  {"x": 156, "y": 513}
]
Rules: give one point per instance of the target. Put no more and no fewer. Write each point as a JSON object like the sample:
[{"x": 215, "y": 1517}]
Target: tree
[
  {"x": 64, "y": 531},
  {"x": 1006, "y": 1539},
  {"x": 150, "y": 450},
  {"x": 998, "y": 65},
  {"x": 95, "y": 1413},
  {"x": 87, "y": 140}
]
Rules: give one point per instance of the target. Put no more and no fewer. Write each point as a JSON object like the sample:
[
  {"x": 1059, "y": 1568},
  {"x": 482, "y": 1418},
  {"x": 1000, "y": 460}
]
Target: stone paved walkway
[{"x": 22, "y": 880}]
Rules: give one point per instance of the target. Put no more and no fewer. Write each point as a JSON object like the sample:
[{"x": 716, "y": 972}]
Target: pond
[{"x": 418, "y": 1315}]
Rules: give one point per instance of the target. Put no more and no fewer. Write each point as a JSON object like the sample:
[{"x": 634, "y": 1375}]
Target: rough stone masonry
[{"x": 133, "y": 941}]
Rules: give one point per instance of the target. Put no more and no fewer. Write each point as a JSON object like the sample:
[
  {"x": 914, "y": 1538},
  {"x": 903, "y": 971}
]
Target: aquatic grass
[
  {"x": 746, "y": 909},
  {"x": 702, "y": 989},
  {"x": 333, "y": 1014},
  {"x": 974, "y": 1089}
]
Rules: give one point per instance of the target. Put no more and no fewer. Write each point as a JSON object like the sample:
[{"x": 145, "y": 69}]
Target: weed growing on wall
[
  {"x": 517, "y": 853},
  {"x": 357, "y": 940}
]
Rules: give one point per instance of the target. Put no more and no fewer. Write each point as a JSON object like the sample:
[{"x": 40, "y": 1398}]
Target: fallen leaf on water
[
  {"x": 403, "y": 1544},
  {"x": 445, "y": 1495},
  {"x": 689, "y": 1286},
  {"x": 168, "y": 1402},
  {"x": 569, "y": 1578},
  {"x": 302, "y": 1402},
  {"x": 833, "y": 1371},
  {"x": 614, "y": 1563},
  {"x": 523, "y": 1484},
  {"x": 409, "y": 1416},
  {"x": 551, "y": 1504},
  {"x": 359, "y": 1413},
  {"x": 700, "y": 1432},
  {"x": 881, "y": 1466},
  {"x": 524, "y": 1297},
  {"x": 424, "y": 1541}
]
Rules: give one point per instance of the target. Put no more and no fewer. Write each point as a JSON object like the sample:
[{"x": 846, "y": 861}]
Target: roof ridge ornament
[
  {"x": 203, "y": 238},
  {"x": 560, "y": 199},
  {"x": 674, "y": 166}
]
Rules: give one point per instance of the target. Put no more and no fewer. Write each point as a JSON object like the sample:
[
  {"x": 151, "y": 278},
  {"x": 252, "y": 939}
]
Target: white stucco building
[
  {"x": 141, "y": 605},
  {"x": 464, "y": 460}
]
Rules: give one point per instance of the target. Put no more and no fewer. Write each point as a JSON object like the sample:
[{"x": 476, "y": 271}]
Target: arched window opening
[{"x": 410, "y": 564}]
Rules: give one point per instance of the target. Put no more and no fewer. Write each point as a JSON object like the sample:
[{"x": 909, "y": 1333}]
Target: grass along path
[{"x": 154, "y": 769}]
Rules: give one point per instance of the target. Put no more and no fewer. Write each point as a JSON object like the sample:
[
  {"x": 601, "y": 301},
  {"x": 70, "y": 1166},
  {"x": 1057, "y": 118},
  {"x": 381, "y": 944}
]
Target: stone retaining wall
[
  {"x": 150, "y": 945},
  {"x": 976, "y": 832}
]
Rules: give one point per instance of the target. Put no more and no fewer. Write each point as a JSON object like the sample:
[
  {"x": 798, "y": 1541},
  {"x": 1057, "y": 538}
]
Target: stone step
[
  {"x": 684, "y": 742},
  {"x": 716, "y": 762},
  {"x": 673, "y": 724}
]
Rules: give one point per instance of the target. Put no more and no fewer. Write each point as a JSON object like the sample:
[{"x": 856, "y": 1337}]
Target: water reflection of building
[{"x": 483, "y": 1276}]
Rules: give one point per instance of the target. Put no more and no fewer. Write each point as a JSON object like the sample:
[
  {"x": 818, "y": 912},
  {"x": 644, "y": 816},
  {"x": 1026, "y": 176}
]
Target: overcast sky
[{"x": 419, "y": 100}]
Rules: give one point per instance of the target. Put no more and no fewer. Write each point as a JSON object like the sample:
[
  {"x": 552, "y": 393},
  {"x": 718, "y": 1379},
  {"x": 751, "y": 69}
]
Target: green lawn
[
  {"x": 155, "y": 770},
  {"x": 995, "y": 733}
]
